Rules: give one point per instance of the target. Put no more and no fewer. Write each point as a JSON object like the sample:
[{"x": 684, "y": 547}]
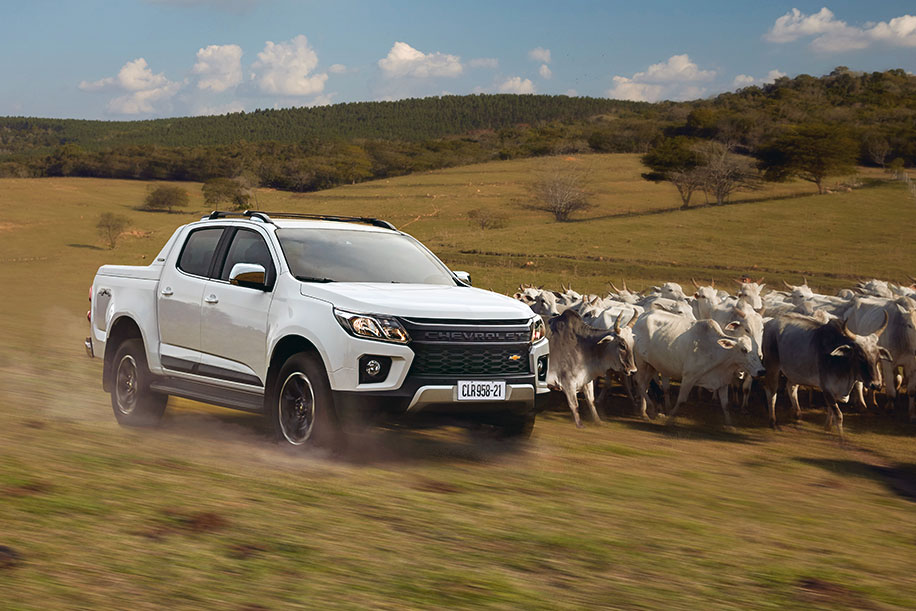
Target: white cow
[{"x": 696, "y": 353}]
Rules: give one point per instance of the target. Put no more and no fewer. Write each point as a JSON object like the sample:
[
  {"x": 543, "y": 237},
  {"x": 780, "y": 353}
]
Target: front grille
[
  {"x": 469, "y": 348},
  {"x": 470, "y": 361}
]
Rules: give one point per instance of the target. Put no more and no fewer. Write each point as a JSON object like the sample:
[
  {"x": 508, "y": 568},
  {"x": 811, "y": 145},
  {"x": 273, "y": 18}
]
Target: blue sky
[{"x": 139, "y": 59}]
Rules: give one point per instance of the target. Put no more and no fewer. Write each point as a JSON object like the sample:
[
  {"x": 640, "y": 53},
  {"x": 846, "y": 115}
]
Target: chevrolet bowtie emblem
[{"x": 515, "y": 357}]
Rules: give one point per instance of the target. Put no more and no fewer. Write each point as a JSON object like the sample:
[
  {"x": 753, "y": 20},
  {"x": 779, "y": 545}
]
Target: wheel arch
[
  {"x": 122, "y": 328},
  {"x": 283, "y": 349}
]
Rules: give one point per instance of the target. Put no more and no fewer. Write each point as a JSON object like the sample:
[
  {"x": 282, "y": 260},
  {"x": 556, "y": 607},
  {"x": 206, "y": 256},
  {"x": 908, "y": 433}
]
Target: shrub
[
  {"x": 166, "y": 197},
  {"x": 111, "y": 226},
  {"x": 486, "y": 218}
]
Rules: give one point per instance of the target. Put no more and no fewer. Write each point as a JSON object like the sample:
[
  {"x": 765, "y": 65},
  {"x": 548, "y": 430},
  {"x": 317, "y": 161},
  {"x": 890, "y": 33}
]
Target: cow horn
[
  {"x": 625, "y": 285},
  {"x": 694, "y": 283},
  {"x": 738, "y": 282},
  {"x": 740, "y": 313},
  {"x": 849, "y": 333},
  {"x": 883, "y": 327},
  {"x": 760, "y": 280},
  {"x": 616, "y": 290},
  {"x": 632, "y": 322},
  {"x": 788, "y": 286},
  {"x": 617, "y": 322},
  {"x": 912, "y": 279},
  {"x": 804, "y": 281},
  {"x": 712, "y": 282}
]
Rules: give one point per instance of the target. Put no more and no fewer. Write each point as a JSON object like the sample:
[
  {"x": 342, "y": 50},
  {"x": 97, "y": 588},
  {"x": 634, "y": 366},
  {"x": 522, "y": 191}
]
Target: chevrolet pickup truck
[{"x": 313, "y": 320}]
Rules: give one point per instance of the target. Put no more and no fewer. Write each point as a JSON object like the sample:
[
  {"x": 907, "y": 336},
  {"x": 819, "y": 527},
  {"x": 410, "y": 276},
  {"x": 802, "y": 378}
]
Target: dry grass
[{"x": 204, "y": 513}]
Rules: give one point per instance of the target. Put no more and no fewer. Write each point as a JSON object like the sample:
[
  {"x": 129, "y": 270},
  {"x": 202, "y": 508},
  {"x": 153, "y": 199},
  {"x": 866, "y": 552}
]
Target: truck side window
[
  {"x": 197, "y": 253},
  {"x": 248, "y": 247}
]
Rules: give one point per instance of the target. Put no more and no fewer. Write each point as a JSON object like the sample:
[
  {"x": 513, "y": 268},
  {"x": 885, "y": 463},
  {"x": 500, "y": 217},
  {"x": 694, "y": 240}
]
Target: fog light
[
  {"x": 373, "y": 368},
  {"x": 542, "y": 368}
]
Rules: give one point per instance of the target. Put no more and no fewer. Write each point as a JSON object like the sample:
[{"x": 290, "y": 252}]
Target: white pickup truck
[{"x": 312, "y": 320}]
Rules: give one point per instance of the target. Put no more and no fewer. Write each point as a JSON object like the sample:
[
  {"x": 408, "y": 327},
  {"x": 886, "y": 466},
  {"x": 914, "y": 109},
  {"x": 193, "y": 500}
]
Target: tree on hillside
[
  {"x": 877, "y": 148},
  {"x": 226, "y": 190},
  {"x": 674, "y": 160},
  {"x": 166, "y": 197},
  {"x": 723, "y": 172},
  {"x": 562, "y": 192},
  {"x": 810, "y": 152},
  {"x": 111, "y": 226}
]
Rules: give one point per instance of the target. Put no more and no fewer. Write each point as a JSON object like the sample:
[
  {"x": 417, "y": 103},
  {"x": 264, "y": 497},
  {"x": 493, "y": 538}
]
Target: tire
[
  {"x": 133, "y": 403},
  {"x": 301, "y": 405}
]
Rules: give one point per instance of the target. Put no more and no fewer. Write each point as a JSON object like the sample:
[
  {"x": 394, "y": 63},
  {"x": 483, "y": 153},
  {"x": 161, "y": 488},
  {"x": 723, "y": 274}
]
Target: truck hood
[{"x": 419, "y": 300}]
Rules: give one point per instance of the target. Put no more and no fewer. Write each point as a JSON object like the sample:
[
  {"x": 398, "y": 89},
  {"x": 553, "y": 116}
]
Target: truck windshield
[{"x": 346, "y": 255}]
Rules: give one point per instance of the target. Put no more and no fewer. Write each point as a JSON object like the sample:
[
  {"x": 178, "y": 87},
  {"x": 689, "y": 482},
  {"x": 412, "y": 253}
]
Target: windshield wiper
[{"x": 311, "y": 279}]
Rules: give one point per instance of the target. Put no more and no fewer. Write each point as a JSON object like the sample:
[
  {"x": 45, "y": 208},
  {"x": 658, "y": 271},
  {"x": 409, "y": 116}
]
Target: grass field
[{"x": 205, "y": 513}]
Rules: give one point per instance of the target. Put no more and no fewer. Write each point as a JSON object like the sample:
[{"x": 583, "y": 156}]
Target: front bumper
[{"x": 87, "y": 343}]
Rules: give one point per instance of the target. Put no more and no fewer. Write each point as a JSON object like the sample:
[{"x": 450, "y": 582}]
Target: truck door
[
  {"x": 181, "y": 289},
  {"x": 234, "y": 318}
]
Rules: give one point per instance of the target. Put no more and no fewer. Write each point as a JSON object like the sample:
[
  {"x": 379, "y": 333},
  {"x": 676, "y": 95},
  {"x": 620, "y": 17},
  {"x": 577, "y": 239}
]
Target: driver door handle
[
  {"x": 167, "y": 291},
  {"x": 211, "y": 299}
]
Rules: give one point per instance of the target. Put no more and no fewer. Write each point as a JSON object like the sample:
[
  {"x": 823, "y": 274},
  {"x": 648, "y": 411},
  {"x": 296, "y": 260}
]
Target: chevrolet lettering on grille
[{"x": 477, "y": 336}]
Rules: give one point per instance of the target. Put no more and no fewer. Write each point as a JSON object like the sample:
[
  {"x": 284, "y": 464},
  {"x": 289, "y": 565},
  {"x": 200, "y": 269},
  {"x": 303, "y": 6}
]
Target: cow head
[
  {"x": 747, "y": 323},
  {"x": 863, "y": 354},
  {"x": 750, "y": 292},
  {"x": 672, "y": 290},
  {"x": 707, "y": 298},
  {"x": 908, "y": 316},
  {"x": 618, "y": 347},
  {"x": 744, "y": 354}
]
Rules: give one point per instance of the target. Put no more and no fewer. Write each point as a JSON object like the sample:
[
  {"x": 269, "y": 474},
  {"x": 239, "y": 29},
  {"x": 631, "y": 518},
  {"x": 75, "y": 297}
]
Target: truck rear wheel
[
  {"x": 301, "y": 405},
  {"x": 134, "y": 404}
]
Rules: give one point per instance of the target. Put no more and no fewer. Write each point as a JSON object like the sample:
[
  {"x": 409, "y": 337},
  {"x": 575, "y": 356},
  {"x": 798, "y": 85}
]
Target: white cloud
[
  {"x": 325, "y": 99},
  {"x": 572, "y": 93},
  {"x": 284, "y": 68},
  {"x": 141, "y": 89},
  {"x": 832, "y": 35},
  {"x": 219, "y": 67},
  {"x": 540, "y": 54},
  {"x": 745, "y": 80},
  {"x": 674, "y": 79},
  {"x": 484, "y": 62},
  {"x": 516, "y": 84},
  {"x": 403, "y": 60},
  {"x": 544, "y": 71},
  {"x": 337, "y": 69}
]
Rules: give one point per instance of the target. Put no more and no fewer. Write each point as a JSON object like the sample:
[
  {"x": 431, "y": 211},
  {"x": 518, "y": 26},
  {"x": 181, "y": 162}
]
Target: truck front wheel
[
  {"x": 301, "y": 404},
  {"x": 134, "y": 404}
]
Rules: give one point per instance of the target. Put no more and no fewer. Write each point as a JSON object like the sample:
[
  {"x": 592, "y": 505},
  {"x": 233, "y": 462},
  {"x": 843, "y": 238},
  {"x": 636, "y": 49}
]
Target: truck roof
[{"x": 302, "y": 220}]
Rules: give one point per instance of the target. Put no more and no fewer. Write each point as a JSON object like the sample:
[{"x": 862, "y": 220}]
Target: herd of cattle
[{"x": 861, "y": 337}]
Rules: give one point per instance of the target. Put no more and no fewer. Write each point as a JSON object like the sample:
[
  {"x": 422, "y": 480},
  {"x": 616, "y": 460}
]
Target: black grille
[
  {"x": 469, "y": 348},
  {"x": 470, "y": 361}
]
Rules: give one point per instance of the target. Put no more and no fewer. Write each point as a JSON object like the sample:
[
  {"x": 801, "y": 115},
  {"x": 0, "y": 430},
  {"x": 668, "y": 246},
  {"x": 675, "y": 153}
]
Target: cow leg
[
  {"x": 911, "y": 392},
  {"x": 746, "y": 386},
  {"x": 606, "y": 389},
  {"x": 889, "y": 373},
  {"x": 792, "y": 390},
  {"x": 644, "y": 375},
  {"x": 682, "y": 395},
  {"x": 835, "y": 413},
  {"x": 771, "y": 386},
  {"x": 666, "y": 389},
  {"x": 588, "y": 392},
  {"x": 626, "y": 381},
  {"x": 723, "y": 400},
  {"x": 573, "y": 403}
]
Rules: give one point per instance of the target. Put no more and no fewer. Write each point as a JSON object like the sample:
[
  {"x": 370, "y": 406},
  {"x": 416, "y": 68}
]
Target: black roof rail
[
  {"x": 324, "y": 217},
  {"x": 266, "y": 217},
  {"x": 222, "y": 214}
]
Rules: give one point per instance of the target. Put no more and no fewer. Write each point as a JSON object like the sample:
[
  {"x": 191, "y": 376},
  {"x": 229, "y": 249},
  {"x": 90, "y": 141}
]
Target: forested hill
[
  {"x": 304, "y": 149},
  {"x": 410, "y": 120}
]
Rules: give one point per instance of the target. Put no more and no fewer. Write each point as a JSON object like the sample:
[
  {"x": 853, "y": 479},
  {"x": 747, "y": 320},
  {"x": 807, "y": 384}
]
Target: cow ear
[
  {"x": 884, "y": 355},
  {"x": 732, "y": 325},
  {"x": 605, "y": 339},
  {"x": 843, "y": 350},
  {"x": 728, "y": 344}
]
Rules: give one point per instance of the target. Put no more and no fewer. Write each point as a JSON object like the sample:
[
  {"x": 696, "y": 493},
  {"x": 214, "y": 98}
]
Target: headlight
[
  {"x": 381, "y": 328},
  {"x": 538, "y": 330}
]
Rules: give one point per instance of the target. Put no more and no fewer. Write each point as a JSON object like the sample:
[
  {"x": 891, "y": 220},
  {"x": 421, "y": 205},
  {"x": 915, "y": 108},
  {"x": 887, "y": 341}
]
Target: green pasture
[{"x": 205, "y": 513}]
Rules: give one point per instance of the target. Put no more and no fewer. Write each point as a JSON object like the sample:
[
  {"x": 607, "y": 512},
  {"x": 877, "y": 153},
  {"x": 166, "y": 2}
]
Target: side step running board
[{"x": 205, "y": 393}]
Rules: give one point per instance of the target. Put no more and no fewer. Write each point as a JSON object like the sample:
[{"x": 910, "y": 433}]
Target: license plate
[{"x": 490, "y": 390}]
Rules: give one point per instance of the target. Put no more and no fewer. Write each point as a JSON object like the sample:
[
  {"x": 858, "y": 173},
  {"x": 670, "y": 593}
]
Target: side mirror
[
  {"x": 251, "y": 275},
  {"x": 464, "y": 277}
]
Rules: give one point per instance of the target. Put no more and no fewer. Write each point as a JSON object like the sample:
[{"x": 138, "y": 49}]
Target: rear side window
[
  {"x": 197, "y": 253},
  {"x": 247, "y": 247}
]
